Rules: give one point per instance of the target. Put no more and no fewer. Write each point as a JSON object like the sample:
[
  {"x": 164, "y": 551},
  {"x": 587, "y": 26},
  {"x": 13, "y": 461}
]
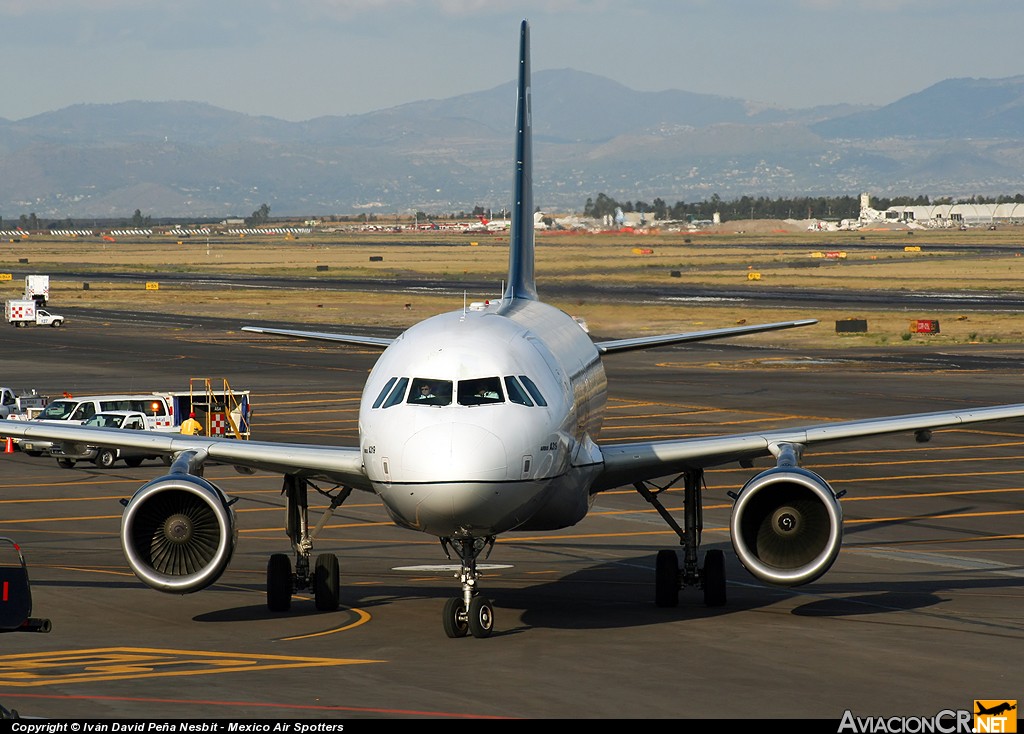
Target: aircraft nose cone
[{"x": 454, "y": 451}]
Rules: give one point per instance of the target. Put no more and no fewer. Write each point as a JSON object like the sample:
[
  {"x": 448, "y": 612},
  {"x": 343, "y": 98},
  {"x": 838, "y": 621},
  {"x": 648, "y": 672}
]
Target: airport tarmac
[{"x": 922, "y": 611}]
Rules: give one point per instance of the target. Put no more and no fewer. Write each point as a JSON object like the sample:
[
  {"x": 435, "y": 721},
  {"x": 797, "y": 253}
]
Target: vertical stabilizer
[{"x": 521, "y": 282}]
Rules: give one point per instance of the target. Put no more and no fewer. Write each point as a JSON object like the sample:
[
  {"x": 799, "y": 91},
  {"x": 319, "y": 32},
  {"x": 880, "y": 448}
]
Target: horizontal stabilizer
[
  {"x": 324, "y": 336},
  {"x": 648, "y": 342}
]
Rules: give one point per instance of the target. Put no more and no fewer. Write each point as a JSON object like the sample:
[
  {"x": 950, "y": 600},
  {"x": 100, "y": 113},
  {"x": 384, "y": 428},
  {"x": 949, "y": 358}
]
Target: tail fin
[{"x": 521, "y": 282}]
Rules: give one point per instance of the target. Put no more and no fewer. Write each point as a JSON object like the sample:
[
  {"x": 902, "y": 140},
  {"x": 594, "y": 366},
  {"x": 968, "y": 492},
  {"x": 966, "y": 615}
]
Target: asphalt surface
[{"x": 922, "y": 611}]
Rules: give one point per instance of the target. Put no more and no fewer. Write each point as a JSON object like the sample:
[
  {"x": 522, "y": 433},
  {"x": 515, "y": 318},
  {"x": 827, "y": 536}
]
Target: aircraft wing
[
  {"x": 632, "y": 462},
  {"x": 646, "y": 342},
  {"x": 359, "y": 340},
  {"x": 343, "y": 465}
]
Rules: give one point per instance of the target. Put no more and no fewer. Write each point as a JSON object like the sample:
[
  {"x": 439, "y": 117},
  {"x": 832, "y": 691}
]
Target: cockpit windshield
[{"x": 520, "y": 390}]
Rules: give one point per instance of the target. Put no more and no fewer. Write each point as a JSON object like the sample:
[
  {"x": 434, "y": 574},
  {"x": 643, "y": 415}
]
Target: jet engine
[
  {"x": 178, "y": 533},
  {"x": 787, "y": 526}
]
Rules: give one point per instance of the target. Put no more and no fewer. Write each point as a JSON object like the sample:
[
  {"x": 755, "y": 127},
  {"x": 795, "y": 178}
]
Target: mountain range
[{"x": 959, "y": 137}]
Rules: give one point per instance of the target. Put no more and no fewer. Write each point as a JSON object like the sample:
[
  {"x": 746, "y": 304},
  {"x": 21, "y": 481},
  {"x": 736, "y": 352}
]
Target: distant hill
[
  {"x": 592, "y": 135},
  {"x": 955, "y": 108}
]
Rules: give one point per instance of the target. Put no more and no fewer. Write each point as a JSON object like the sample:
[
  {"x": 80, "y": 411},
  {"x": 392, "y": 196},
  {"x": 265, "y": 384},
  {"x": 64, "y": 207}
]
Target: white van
[{"x": 154, "y": 406}]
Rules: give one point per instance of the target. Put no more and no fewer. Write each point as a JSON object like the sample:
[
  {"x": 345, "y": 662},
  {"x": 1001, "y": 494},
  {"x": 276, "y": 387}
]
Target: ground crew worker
[{"x": 191, "y": 426}]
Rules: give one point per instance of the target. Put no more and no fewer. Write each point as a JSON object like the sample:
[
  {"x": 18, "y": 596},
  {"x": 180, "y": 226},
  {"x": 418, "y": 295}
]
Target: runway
[{"x": 921, "y": 612}]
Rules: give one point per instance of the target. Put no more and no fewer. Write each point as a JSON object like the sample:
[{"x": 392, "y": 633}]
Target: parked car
[{"x": 68, "y": 454}]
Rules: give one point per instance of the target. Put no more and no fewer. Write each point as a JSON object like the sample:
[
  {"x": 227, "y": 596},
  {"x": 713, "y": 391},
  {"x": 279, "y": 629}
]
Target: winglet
[{"x": 521, "y": 283}]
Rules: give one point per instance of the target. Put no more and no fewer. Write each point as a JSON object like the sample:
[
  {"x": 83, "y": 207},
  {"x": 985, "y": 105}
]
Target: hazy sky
[{"x": 299, "y": 59}]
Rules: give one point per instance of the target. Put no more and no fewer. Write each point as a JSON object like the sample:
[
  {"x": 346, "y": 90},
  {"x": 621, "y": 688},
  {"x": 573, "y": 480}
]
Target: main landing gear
[
  {"x": 669, "y": 578},
  {"x": 324, "y": 579},
  {"x": 470, "y": 613}
]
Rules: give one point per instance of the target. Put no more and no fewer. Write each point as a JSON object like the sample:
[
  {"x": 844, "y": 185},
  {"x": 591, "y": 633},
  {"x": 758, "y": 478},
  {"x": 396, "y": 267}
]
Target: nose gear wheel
[{"x": 471, "y": 613}]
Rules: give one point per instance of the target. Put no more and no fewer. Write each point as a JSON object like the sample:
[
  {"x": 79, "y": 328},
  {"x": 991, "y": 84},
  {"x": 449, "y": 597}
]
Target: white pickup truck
[
  {"x": 23, "y": 312},
  {"x": 68, "y": 454}
]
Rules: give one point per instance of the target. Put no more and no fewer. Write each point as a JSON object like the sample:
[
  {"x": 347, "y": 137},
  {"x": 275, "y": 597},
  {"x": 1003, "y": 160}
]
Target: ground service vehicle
[
  {"x": 155, "y": 407},
  {"x": 16, "y": 595},
  {"x": 22, "y": 312},
  {"x": 37, "y": 288},
  {"x": 19, "y": 403},
  {"x": 67, "y": 453},
  {"x": 221, "y": 410}
]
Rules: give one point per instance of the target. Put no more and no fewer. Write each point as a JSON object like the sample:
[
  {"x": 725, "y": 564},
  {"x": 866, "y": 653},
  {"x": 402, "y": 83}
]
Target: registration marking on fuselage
[{"x": 121, "y": 663}]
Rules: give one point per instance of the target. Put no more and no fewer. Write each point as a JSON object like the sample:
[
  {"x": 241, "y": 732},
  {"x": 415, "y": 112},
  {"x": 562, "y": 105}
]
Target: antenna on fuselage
[{"x": 521, "y": 283}]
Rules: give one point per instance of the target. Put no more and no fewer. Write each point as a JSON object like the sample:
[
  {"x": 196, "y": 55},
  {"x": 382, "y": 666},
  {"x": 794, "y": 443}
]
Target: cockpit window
[
  {"x": 534, "y": 391},
  {"x": 430, "y": 392},
  {"x": 516, "y": 393},
  {"x": 384, "y": 392},
  {"x": 481, "y": 391},
  {"x": 397, "y": 393}
]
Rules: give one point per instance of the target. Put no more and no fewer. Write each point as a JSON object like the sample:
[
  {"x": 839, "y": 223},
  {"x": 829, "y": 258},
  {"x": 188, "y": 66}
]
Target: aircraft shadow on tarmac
[
  {"x": 920, "y": 521},
  {"x": 899, "y": 596},
  {"x": 550, "y": 608},
  {"x": 614, "y": 595},
  {"x": 617, "y": 594}
]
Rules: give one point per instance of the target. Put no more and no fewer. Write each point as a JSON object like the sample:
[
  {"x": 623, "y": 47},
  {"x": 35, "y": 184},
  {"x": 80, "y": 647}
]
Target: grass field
[{"x": 948, "y": 261}]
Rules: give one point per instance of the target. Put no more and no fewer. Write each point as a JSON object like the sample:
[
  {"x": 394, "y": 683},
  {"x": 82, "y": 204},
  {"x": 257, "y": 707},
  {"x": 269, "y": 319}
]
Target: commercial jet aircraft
[
  {"x": 997, "y": 710},
  {"x": 484, "y": 421}
]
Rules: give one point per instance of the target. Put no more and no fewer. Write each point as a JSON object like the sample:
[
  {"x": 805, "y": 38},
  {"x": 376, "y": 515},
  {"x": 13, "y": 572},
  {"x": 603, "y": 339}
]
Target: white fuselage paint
[{"x": 459, "y": 471}]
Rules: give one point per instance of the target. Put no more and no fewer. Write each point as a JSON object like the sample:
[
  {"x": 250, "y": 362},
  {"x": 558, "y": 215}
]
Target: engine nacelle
[
  {"x": 787, "y": 526},
  {"x": 178, "y": 533}
]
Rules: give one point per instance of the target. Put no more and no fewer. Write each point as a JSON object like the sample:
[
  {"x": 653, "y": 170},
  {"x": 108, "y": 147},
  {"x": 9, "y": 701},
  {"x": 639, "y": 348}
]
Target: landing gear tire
[
  {"x": 454, "y": 618},
  {"x": 326, "y": 584},
  {"x": 279, "y": 583},
  {"x": 106, "y": 458},
  {"x": 666, "y": 579},
  {"x": 66, "y": 463},
  {"x": 481, "y": 617},
  {"x": 714, "y": 578}
]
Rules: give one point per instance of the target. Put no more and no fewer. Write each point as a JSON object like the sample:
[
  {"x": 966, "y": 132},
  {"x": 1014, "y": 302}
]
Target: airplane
[
  {"x": 487, "y": 420},
  {"x": 998, "y": 710},
  {"x": 489, "y": 225}
]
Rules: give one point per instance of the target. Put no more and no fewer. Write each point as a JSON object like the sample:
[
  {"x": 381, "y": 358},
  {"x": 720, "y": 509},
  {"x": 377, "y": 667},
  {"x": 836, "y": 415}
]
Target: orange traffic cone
[{"x": 9, "y": 446}]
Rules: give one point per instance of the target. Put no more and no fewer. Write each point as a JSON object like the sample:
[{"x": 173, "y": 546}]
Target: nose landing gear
[{"x": 471, "y": 613}]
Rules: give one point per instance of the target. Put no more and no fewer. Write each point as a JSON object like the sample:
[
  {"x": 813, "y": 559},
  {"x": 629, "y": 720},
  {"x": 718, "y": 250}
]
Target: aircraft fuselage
[{"x": 480, "y": 421}]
